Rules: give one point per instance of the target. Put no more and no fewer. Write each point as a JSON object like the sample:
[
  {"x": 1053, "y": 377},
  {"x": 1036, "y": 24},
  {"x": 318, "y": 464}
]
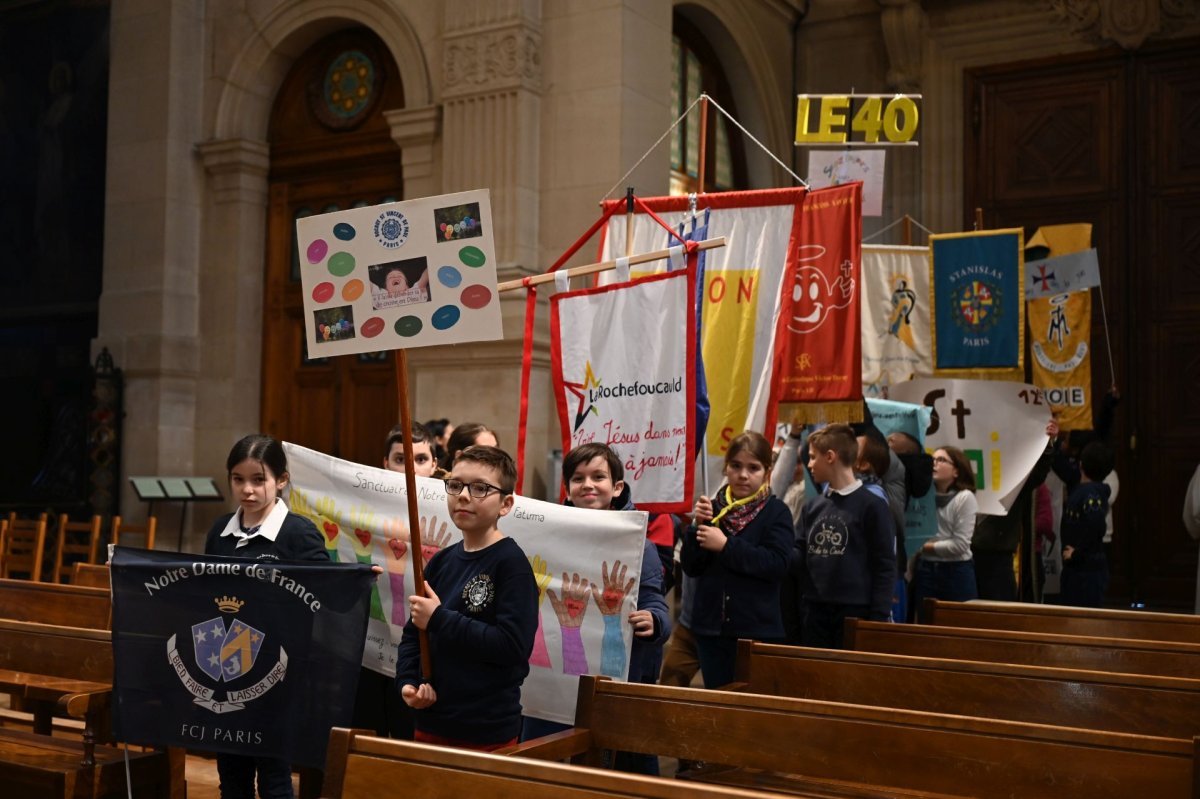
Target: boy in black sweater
[
  {"x": 481, "y": 635},
  {"x": 845, "y": 544},
  {"x": 1085, "y": 567}
]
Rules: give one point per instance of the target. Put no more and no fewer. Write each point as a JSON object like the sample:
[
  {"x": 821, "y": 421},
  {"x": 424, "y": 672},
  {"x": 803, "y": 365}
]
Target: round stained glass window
[{"x": 348, "y": 90}]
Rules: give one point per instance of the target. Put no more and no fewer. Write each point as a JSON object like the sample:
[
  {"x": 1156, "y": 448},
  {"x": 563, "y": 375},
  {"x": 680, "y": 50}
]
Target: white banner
[
  {"x": 1001, "y": 426},
  {"x": 836, "y": 167},
  {"x": 623, "y": 366},
  {"x": 740, "y": 297},
  {"x": 895, "y": 317},
  {"x": 363, "y": 513}
]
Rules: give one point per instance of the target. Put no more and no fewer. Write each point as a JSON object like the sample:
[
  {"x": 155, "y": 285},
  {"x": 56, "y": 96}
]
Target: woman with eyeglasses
[{"x": 944, "y": 569}]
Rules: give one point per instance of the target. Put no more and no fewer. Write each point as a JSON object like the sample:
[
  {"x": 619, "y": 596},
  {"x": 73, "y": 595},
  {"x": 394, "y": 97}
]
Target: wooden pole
[
  {"x": 703, "y": 139},
  {"x": 979, "y": 219},
  {"x": 907, "y": 230},
  {"x": 603, "y": 266},
  {"x": 410, "y": 487},
  {"x": 629, "y": 221}
]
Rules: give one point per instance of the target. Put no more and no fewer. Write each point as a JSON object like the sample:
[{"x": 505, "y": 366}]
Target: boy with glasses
[{"x": 481, "y": 634}]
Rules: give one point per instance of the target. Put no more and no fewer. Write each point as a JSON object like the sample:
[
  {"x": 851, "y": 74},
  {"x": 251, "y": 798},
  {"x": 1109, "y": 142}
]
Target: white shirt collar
[
  {"x": 850, "y": 489},
  {"x": 269, "y": 529}
]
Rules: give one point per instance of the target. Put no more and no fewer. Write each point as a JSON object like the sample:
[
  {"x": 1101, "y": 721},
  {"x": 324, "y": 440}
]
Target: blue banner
[
  {"x": 241, "y": 656},
  {"x": 978, "y": 304}
]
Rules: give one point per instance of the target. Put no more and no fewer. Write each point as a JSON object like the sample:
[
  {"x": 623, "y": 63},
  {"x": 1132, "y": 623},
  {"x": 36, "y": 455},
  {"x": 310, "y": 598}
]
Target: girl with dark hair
[
  {"x": 466, "y": 435},
  {"x": 738, "y": 550},
  {"x": 261, "y": 528},
  {"x": 945, "y": 570}
]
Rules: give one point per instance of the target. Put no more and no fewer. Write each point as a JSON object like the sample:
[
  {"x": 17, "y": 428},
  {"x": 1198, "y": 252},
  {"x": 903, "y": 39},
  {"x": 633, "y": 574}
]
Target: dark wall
[{"x": 53, "y": 120}]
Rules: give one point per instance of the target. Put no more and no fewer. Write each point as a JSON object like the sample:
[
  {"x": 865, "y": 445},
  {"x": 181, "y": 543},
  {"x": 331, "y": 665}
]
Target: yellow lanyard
[{"x": 716, "y": 520}]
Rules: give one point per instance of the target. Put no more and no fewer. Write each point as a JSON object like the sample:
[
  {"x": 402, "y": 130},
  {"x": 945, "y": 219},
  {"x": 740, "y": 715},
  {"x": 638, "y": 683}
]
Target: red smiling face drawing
[{"x": 813, "y": 297}]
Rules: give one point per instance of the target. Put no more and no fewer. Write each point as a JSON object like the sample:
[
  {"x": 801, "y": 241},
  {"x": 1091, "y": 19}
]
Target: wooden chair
[
  {"x": 24, "y": 547},
  {"x": 145, "y": 531},
  {"x": 86, "y": 547}
]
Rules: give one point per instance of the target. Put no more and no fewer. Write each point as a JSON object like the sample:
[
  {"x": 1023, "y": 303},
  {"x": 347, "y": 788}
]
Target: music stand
[{"x": 175, "y": 489}]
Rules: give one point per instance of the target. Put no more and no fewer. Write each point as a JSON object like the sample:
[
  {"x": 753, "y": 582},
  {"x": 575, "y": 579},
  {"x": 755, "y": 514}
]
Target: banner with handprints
[{"x": 586, "y": 562}]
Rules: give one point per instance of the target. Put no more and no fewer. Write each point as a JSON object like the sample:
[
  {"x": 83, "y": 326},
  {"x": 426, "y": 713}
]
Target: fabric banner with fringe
[
  {"x": 895, "y": 316},
  {"x": 977, "y": 294},
  {"x": 818, "y": 338},
  {"x": 622, "y": 360},
  {"x": 1060, "y": 324}
]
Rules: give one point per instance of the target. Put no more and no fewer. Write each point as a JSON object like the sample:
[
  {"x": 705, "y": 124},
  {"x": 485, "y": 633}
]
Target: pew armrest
[{"x": 559, "y": 746}]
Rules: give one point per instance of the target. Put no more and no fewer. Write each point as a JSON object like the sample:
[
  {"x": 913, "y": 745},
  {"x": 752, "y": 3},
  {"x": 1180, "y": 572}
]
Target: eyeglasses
[
  {"x": 478, "y": 489},
  {"x": 943, "y": 459}
]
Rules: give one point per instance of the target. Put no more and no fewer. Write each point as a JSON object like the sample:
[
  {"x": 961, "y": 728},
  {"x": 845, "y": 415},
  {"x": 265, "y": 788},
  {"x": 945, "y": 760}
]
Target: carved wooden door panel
[{"x": 1101, "y": 139}]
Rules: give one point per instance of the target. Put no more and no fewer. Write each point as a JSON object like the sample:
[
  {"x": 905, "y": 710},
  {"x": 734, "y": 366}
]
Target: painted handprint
[
  {"x": 395, "y": 532},
  {"x": 610, "y": 601},
  {"x": 570, "y": 611},
  {"x": 301, "y": 506},
  {"x": 328, "y": 524},
  {"x": 362, "y": 521},
  {"x": 433, "y": 538},
  {"x": 541, "y": 575}
]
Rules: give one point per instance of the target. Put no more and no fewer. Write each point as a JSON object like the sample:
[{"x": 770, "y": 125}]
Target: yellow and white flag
[{"x": 895, "y": 316}]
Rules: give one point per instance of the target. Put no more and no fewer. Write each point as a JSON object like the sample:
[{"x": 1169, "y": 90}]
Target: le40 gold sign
[{"x": 857, "y": 119}]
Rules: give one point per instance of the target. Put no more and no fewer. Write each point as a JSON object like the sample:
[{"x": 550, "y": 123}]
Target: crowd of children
[{"x": 762, "y": 558}]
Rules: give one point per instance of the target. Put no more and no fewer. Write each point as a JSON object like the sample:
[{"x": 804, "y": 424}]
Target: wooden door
[
  {"x": 322, "y": 162},
  {"x": 1101, "y": 138}
]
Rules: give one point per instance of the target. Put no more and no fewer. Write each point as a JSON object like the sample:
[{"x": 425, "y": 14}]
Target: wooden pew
[
  {"x": 91, "y": 575},
  {"x": 1065, "y": 620},
  {"x": 1124, "y": 655},
  {"x": 776, "y": 743},
  {"x": 53, "y": 603},
  {"x": 1129, "y": 703},
  {"x": 70, "y": 670},
  {"x": 360, "y": 765}
]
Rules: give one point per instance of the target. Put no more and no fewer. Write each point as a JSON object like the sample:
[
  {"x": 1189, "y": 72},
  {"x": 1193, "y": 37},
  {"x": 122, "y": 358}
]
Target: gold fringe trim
[
  {"x": 1013, "y": 375},
  {"x": 821, "y": 412}
]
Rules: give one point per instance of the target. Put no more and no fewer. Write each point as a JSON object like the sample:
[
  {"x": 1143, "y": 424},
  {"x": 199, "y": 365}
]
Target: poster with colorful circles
[{"x": 408, "y": 274}]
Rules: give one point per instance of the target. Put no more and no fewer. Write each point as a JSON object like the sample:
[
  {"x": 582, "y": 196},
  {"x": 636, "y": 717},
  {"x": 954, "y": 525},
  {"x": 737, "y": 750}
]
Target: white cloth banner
[
  {"x": 895, "y": 317},
  {"x": 835, "y": 167},
  {"x": 1001, "y": 426},
  {"x": 623, "y": 366},
  {"x": 363, "y": 513},
  {"x": 740, "y": 297}
]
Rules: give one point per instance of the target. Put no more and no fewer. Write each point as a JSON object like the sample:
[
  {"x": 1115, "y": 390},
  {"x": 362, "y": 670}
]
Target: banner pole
[
  {"x": 907, "y": 230},
  {"x": 410, "y": 487},
  {"x": 703, "y": 140},
  {"x": 628, "y": 221},
  {"x": 1112, "y": 367},
  {"x": 603, "y": 266}
]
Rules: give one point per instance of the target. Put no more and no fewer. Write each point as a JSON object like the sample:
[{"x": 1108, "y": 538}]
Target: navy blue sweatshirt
[
  {"x": 480, "y": 639},
  {"x": 737, "y": 589},
  {"x": 1084, "y": 523},
  {"x": 845, "y": 546}
]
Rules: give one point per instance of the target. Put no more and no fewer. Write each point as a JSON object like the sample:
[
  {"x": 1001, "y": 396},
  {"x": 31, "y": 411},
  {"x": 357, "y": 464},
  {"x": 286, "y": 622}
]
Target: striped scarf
[{"x": 736, "y": 514}]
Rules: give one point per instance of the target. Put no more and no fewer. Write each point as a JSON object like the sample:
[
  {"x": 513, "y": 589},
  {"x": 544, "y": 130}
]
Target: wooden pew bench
[
  {"x": 91, "y": 575},
  {"x": 1065, "y": 620},
  {"x": 1124, "y": 655},
  {"x": 52, "y": 603},
  {"x": 37, "y": 767},
  {"x": 774, "y": 743},
  {"x": 1143, "y": 705},
  {"x": 361, "y": 765}
]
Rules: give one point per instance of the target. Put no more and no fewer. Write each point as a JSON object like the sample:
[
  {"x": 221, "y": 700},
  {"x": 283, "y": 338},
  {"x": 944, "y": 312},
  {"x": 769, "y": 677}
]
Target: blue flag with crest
[{"x": 241, "y": 656}]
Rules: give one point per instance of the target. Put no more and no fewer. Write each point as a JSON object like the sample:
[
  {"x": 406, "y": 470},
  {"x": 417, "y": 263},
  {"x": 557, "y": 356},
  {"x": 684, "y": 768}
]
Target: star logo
[{"x": 580, "y": 391}]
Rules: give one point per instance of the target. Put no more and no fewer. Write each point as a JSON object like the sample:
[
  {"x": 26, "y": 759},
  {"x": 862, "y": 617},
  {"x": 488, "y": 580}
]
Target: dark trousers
[
  {"x": 237, "y": 777},
  {"x": 994, "y": 577},
  {"x": 379, "y": 707},
  {"x": 1084, "y": 587},
  {"x": 953, "y": 581},
  {"x": 718, "y": 656},
  {"x": 823, "y": 624}
]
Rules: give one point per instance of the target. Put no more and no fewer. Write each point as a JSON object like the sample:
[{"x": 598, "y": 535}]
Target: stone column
[
  {"x": 231, "y": 291},
  {"x": 148, "y": 309},
  {"x": 492, "y": 98},
  {"x": 903, "y": 22},
  {"x": 415, "y": 131}
]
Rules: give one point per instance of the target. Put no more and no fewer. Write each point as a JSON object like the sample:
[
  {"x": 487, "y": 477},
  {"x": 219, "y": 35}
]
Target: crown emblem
[{"x": 229, "y": 604}]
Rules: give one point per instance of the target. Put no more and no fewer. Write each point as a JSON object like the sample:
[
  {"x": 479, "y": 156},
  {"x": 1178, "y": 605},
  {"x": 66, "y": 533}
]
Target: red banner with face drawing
[{"x": 818, "y": 342}]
